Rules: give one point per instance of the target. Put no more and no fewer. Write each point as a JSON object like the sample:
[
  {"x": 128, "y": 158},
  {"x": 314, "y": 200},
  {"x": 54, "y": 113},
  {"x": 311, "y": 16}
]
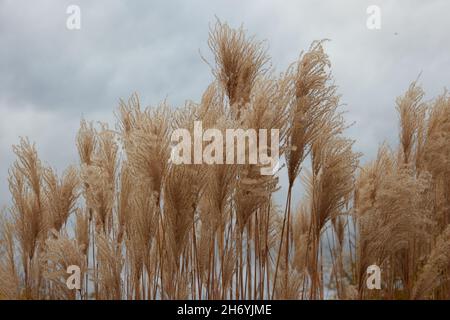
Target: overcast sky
[{"x": 51, "y": 76}]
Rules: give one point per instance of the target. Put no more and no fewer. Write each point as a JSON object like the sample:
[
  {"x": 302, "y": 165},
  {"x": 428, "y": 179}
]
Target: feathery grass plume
[
  {"x": 86, "y": 142},
  {"x": 331, "y": 129},
  {"x": 27, "y": 215},
  {"x": 221, "y": 181},
  {"x": 98, "y": 193},
  {"x": 369, "y": 180},
  {"x": 99, "y": 178},
  {"x": 436, "y": 156},
  {"x": 332, "y": 186},
  {"x": 105, "y": 155},
  {"x": 398, "y": 222},
  {"x": 25, "y": 179},
  {"x": 212, "y": 108},
  {"x": 314, "y": 102},
  {"x": 410, "y": 108},
  {"x": 268, "y": 105},
  {"x": 60, "y": 253},
  {"x": 146, "y": 139},
  {"x": 254, "y": 192},
  {"x": 435, "y": 273},
  {"x": 60, "y": 196},
  {"x": 436, "y": 149},
  {"x": 29, "y": 166},
  {"x": 9, "y": 279},
  {"x": 129, "y": 114},
  {"x": 239, "y": 61}
]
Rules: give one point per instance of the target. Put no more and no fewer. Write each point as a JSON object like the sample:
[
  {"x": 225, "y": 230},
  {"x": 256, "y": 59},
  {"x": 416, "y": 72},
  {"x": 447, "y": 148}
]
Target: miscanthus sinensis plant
[{"x": 141, "y": 227}]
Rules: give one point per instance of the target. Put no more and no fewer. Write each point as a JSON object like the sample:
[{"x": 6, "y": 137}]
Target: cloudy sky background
[{"x": 50, "y": 77}]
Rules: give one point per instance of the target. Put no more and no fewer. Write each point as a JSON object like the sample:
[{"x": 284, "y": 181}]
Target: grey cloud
[{"x": 49, "y": 74}]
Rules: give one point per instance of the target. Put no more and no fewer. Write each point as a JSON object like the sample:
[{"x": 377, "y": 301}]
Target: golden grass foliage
[{"x": 140, "y": 227}]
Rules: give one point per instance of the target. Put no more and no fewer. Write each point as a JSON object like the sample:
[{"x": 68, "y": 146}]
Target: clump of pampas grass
[{"x": 141, "y": 227}]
